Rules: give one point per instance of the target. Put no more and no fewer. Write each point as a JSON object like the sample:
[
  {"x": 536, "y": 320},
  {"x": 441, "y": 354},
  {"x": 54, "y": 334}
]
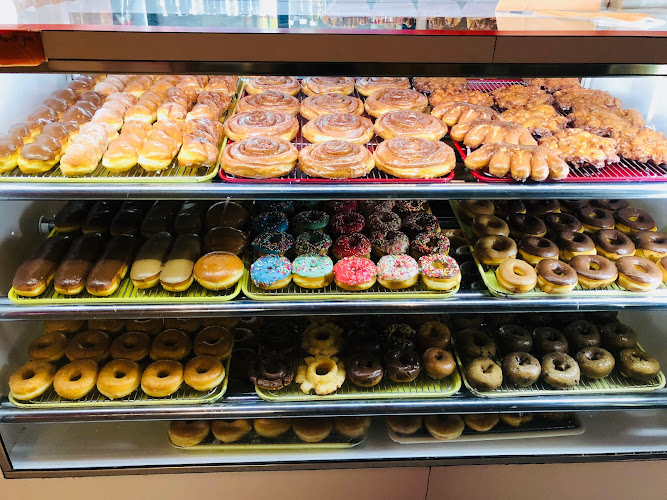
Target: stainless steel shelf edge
[
  {"x": 303, "y": 191},
  {"x": 463, "y": 302},
  {"x": 253, "y": 407}
]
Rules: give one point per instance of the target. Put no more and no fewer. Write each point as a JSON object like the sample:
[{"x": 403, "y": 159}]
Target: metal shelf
[
  {"x": 250, "y": 406},
  {"x": 216, "y": 190},
  {"x": 462, "y": 302}
]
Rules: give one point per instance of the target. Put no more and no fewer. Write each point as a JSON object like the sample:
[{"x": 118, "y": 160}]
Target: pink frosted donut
[{"x": 355, "y": 273}]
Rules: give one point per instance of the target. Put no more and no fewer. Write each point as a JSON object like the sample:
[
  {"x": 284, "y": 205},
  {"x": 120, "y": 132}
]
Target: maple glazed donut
[
  {"x": 516, "y": 276},
  {"x": 493, "y": 250}
]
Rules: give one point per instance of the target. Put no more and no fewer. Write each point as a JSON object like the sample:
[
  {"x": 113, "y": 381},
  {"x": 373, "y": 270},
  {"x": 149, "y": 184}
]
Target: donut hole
[
  {"x": 28, "y": 374},
  {"x": 75, "y": 376},
  {"x": 162, "y": 374}
]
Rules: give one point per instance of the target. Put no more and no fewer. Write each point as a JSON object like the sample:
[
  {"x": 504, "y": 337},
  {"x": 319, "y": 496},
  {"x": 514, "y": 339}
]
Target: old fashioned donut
[
  {"x": 637, "y": 364},
  {"x": 554, "y": 276},
  {"x": 559, "y": 370},
  {"x": 171, "y": 344},
  {"x": 312, "y": 430},
  {"x": 638, "y": 274},
  {"x": 651, "y": 245},
  {"x": 433, "y": 334},
  {"x": 522, "y": 226},
  {"x": 325, "y": 339},
  {"x": 162, "y": 378},
  {"x": 405, "y": 424},
  {"x": 92, "y": 344},
  {"x": 595, "y": 219},
  {"x": 582, "y": 334},
  {"x": 633, "y": 220},
  {"x": 352, "y": 427},
  {"x": 521, "y": 368},
  {"x": 214, "y": 341},
  {"x": 516, "y": 276},
  {"x": 595, "y": 362},
  {"x": 118, "y": 378},
  {"x": 271, "y": 428},
  {"x": 485, "y": 225},
  {"x": 364, "y": 369},
  {"x": 438, "y": 363},
  {"x": 514, "y": 338},
  {"x": 484, "y": 374},
  {"x": 473, "y": 343},
  {"x": 613, "y": 244},
  {"x": 230, "y": 431},
  {"x": 134, "y": 346},
  {"x": 572, "y": 243},
  {"x": 76, "y": 379},
  {"x": 187, "y": 433},
  {"x": 402, "y": 365},
  {"x": 270, "y": 371},
  {"x": 594, "y": 271},
  {"x": 547, "y": 339},
  {"x": 203, "y": 373},
  {"x": 49, "y": 347},
  {"x": 31, "y": 380},
  {"x": 533, "y": 249},
  {"x": 617, "y": 336},
  {"x": 558, "y": 222},
  {"x": 444, "y": 427},
  {"x": 322, "y": 374},
  {"x": 481, "y": 422}
]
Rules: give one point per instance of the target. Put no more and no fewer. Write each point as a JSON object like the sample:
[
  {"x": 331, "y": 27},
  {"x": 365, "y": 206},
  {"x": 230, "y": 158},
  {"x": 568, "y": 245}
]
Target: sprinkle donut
[
  {"x": 337, "y": 207},
  {"x": 355, "y": 273},
  {"x": 310, "y": 220},
  {"x": 397, "y": 271},
  {"x": 417, "y": 223},
  {"x": 429, "y": 243},
  {"x": 271, "y": 272},
  {"x": 352, "y": 245},
  {"x": 312, "y": 270},
  {"x": 384, "y": 221},
  {"x": 313, "y": 242},
  {"x": 439, "y": 271},
  {"x": 389, "y": 243},
  {"x": 270, "y": 221},
  {"x": 347, "y": 223}
]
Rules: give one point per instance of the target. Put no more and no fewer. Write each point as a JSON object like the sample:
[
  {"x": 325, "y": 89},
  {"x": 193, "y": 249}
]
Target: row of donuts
[
  {"x": 87, "y": 368},
  {"x": 186, "y": 433},
  {"x": 593, "y": 244},
  {"x": 519, "y": 353},
  {"x": 385, "y": 222}
]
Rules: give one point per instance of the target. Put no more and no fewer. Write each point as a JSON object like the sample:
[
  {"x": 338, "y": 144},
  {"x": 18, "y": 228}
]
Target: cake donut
[
  {"x": 402, "y": 365},
  {"x": 547, "y": 339},
  {"x": 617, "y": 336},
  {"x": 595, "y": 362},
  {"x": 414, "y": 224},
  {"x": 514, "y": 338},
  {"x": 521, "y": 368},
  {"x": 433, "y": 334},
  {"x": 484, "y": 374},
  {"x": 271, "y": 372},
  {"x": 582, "y": 334},
  {"x": 560, "y": 371},
  {"x": 439, "y": 272},
  {"x": 364, "y": 369},
  {"x": 637, "y": 364},
  {"x": 312, "y": 271},
  {"x": 473, "y": 343},
  {"x": 214, "y": 340},
  {"x": 271, "y": 272},
  {"x": 355, "y": 273},
  {"x": 438, "y": 363}
]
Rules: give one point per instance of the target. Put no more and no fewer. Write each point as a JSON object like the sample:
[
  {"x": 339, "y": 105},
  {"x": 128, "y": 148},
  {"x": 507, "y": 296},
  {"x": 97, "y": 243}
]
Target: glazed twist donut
[{"x": 478, "y": 132}]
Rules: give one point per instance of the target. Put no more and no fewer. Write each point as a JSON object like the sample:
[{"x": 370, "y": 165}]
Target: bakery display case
[{"x": 169, "y": 218}]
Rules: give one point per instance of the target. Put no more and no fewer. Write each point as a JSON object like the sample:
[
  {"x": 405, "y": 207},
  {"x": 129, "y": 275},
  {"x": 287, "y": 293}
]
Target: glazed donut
[
  {"x": 118, "y": 378},
  {"x": 31, "y": 380},
  {"x": 554, "y": 276},
  {"x": 637, "y": 364},
  {"x": 617, "y": 336},
  {"x": 534, "y": 249},
  {"x": 162, "y": 378},
  {"x": 271, "y": 428},
  {"x": 651, "y": 245},
  {"x": 521, "y": 369},
  {"x": 572, "y": 243},
  {"x": 484, "y": 374},
  {"x": 364, "y": 369},
  {"x": 76, "y": 379},
  {"x": 270, "y": 372},
  {"x": 134, "y": 346},
  {"x": 489, "y": 225},
  {"x": 91, "y": 344},
  {"x": 439, "y": 272},
  {"x": 516, "y": 419},
  {"x": 428, "y": 244},
  {"x": 312, "y": 430},
  {"x": 516, "y": 276},
  {"x": 547, "y": 339},
  {"x": 402, "y": 365},
  {"x": 522, "y": 226},
  {"x": 582, "y": 334},
  {"x": 187, "y": 325},
  {"x": 481, "y": 422},
  {"x": 612, "y": 205},
  {"x": 390, "y": 243},
  {"x": 513, "y": 338},
  {"x": 433, "y": 334},
  {"x": 230, "y": 431},
  {"x": 560, "y": 371},
  {"x": 148, "y": 326},
  {"x": 65, "y": 326},
  {"x": 595, "y": 219},
  {"x": 405, "y": 424},
  {"x": 444, "y": 427},
  {"x": 312, "y": 242},
  {"x": 185, "y": 433},
  {"x": 633, "y": 220},
  {"x": 351, "y": 245},
  {"x": 438, "y": 363},
  {"x": 558, "y": 222},
  {"x": 493, "y": 250},
  {"x": 469, "y": 209},
  {"x": 355, "y": 273},
  {"x": 637, "y": 274},
  {"x": 170, "y": 344},
  {"x": 594, "y": 271},
  {"x": 595, "y": 362},
  {"x": 203, "y": 373},
  {"x": 347, "y": 223},
  {"x": 613, "y": 244},
  {"x": 49, "y": 347},
  {"x": 214, "y": 341},
  {"x": 473, "y": 343},
  {"x": 352, "y": 427}
]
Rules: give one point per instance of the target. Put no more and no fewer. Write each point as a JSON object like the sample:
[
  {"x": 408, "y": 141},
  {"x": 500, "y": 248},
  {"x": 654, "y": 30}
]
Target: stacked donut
[
  {"x": 518, "y": 351},
  {"x": 404, "y": 239},
  {"x": 446, "y": 427},
  {"x": 558, "y": 245},
  {"x": 157, "y": 243},
  {"x": 186, "y": 433},
  {"x": 338, "y": 134},
  {"x": 156, "y": 356}
]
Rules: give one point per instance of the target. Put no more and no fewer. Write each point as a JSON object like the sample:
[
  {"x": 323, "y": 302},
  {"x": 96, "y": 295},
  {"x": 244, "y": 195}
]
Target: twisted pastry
[
  {"x": 270, "y": 100},
  {"x": 478, "y": 132},
  {"x": 430, "y": 84},
  {"x": 315, "y": 85},
  {"x": 259, "y": 158},
  {"x": 326, "y": 104},
  {"x": 409, "y": 123},
  {"x": 414, "y": 158},
  {"x": 259, "y": 84},
  {"x": 261, "y": 123},
  {"x": 383, "y": 101},
  {"x": 176, "y": 105},
  {"x": 348, "y": 127},
  {"x": 455, "y": 112},
  {"x": 369, "y": 84},
  {"x": 336, "y": 160}
]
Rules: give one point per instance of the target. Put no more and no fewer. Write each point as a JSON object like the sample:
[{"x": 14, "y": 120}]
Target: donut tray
[
  {"x": 489, "y": 277},
  {"x": 184, "y": 396},
  {"x": 288, "y": 441},
  {"x": 624, "y": 171},
  {"x": 537, "y": 428},
  {"x": 297, "y": 176},
  {"x": 136, "y": 175}
]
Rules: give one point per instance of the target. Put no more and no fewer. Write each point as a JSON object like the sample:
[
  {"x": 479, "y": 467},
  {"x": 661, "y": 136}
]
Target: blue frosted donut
[
  {"x": 312, "y": 266},
  {"x": 270, "y": 269},
  {"x": 275, "y": 206},
  {"x": 270, "y": 221},
  {"x": 311, "y": 220},
  {"x": 273, "y": 242}
]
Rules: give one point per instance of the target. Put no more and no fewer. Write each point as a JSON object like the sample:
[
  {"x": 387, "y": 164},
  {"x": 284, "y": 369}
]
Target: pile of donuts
[
  {"x": 518, "y": 350},
  {"x": 403, "y": 237},
  {"x": 450, "y": 426},
  {"x": 154, "y": 357},
  {"x": 338, "y": 127},
  {"x": 364, "y": 350},
  {"x": 97, "y": 243},
  {"x": 186, "y": 433},
  {"x": 558, "y": 245}
]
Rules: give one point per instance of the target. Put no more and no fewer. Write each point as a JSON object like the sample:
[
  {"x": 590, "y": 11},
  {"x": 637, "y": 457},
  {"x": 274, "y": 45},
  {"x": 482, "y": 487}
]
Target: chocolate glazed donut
[
  {"x": 364, "y": 369},
  {"x": 613, "y": 244},
  {"x": 610, "y": 204},
  {"x": 554, "y": 276},
  {"x": 270, "y": 372},
  {"x": 594, "y": 219},
  {"x": 534, "y": 249},
  {"x": 513, "y": 338},
  {"x": 559, "y": 222},
  {"x": 652, "y": 245},
  {"x": 572, "y": 243},
  {"x": 594, "y": 271},
  {"x": 522, "y": 226},
  {"x": 402, "y": 365},
  {"x": 632, "y": 220},
  {"x": 582, "y": 334},
  {"x": 571, "y": 206}
]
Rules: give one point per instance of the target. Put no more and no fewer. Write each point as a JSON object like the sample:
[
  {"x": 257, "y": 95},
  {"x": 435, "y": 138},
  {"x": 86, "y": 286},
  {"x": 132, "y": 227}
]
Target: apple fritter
[
  {"x": 578, "y": 146},
  {"x": 430, "y": 84},
  {"x": 643, "y": 144},
  {"x": 520, "y": 96},
  {"x": 440, "y": 96},
  {"x": 603, "y": 121},
  {"x": 552, "y": 85},
  {"x": 542, "y": 120},
  {"x": 577, "y": 98}
]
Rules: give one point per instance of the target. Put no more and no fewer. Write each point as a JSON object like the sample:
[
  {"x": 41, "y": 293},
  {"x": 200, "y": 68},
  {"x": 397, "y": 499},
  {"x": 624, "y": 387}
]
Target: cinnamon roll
[
  {"x": 414, "y": 158},
  {"x": 315, "y": 85},
  {"x": 326, "y": 104},
  {"x": 259, "y": 84},
  {"x": 259, "y": 158},
  {"x": 261, "y": 123},
  {"x": 271, "y": 100},
  {"x": 383, "y": 101},
  {"x": 336, "y": 160},
  {"x": 369, "y": 84},
  {"x": 348, "y": 127},
  {"x": 409, "y": 123}
]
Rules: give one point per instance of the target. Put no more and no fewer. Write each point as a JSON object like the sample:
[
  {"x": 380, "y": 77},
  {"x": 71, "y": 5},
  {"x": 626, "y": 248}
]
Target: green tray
[
  {"x": 489, "y": 277},
  {"x": 184, "y": 396}
]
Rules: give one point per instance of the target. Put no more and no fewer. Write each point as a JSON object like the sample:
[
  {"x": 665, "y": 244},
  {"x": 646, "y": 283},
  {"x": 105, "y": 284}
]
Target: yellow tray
[
  {"x": 489, "y": 277},
  {"x": 184, "y": 396},
  {"x": 136, "y": 175}
]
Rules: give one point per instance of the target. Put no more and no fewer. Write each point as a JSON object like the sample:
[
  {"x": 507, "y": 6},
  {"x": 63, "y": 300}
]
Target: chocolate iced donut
[
  {"x": 554, "y": 276},
  {"x": 595, "y": 219},
  {"x": 582, "y": 334},
  {"x": 559, "y": 222},
  {"x": 402, "y": 365},
  {"x": 364, "y": 369},
  {"x": 572, "y": 206},
  {"x": 616, "y": 336},
  {"x": 225, "y": 239},
  {"x": 522, "y": 226},
  {"x": 438, "y": 363},
  {"x": 271, "y": 372},
  {"x": 573, "y": 243},
  {"x": 595, "y": 362},
  {"x": 399, "y": 336},
  {"x": 651, "y": 245},
  {"x": 471, "y": 208},
  {"x": 633, "y": 220},
  {"x": 610, "y": 204},
  {"x": 613, "y": 244},
  {"x": 542, "y": 207},
  {"x": 547, "y": 339},
  {"x": 638, "y": 274},
  {"x": 485, "y": 225},
  {"x": 521, "y": 368},
  {"x": 560, "y": 370},
  {"x": 594, "y": 271},
  {"x": 513, "y": 338},
  {"x": 533, "y": 249},
  {"x": 506, "y": 207},
  {"x": 493, "y": 250}
]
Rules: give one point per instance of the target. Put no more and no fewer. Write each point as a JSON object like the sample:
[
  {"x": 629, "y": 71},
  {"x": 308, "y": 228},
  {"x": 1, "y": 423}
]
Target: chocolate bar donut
[
  {"x": 105, "y": 277},
  {"x": 36, "y": 273},
  {"x": 73, "y": 270}
]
